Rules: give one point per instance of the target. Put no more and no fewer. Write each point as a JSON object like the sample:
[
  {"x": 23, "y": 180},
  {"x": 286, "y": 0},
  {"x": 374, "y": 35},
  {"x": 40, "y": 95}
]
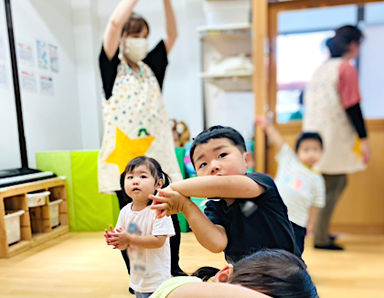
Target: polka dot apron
[{"x": 135, "y": 123}]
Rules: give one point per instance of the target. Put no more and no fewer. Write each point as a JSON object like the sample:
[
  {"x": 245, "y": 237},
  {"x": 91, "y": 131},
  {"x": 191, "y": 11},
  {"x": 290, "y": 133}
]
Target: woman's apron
[
  {"x": 325, "y": 114},
  {"x": 135, "y": 124}
]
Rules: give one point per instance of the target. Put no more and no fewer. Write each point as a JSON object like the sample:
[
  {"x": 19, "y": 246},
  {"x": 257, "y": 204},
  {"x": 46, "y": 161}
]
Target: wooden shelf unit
[{"x": 35, "y": 226}]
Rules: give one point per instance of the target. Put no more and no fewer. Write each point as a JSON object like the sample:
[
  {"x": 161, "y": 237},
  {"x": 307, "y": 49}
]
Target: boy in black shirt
[{"x": 249, "y": 215}]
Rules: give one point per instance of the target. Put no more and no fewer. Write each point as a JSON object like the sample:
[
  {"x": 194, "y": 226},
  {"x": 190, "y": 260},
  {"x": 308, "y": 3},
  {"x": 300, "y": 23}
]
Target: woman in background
[{"x": 332, "y": 108}]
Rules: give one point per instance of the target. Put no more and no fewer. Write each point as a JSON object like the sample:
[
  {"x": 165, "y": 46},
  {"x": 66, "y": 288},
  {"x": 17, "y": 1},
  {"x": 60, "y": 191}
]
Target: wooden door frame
[{"x": 265, "y": 32}]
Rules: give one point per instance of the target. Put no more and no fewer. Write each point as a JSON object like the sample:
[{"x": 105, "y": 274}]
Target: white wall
[
  {"x": 51, "y": 122},
  {"x": 87, "y": 44}
]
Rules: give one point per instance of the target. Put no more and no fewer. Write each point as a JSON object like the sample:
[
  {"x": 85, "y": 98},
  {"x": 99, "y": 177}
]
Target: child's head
[
  {"x": 219, "y": 150},
  {"x": 273, "y": 272},
  {"x": 143, "y": 176},
  {"x": 309, "y": 148}
]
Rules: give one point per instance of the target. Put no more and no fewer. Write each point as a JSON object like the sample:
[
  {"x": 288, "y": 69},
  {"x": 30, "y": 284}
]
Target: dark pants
[
  {"x": 334, "y": 186},
  {"x": 300, "y": 233},
  {"x": 174, "y": 241}
]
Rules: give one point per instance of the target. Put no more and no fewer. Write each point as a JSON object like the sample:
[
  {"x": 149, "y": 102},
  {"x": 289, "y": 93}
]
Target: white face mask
[{"x": 135, "y": 49}]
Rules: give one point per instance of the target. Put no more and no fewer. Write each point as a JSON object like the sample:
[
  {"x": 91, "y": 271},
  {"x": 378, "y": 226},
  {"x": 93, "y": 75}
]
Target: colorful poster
[
  {"x": 28, "y": 81},
  {"x": 42, "y": 54},
  {"x": 46, "y": 85},
  {"x": 25, "y": 54},
  {"x": 53, "y": 58}
]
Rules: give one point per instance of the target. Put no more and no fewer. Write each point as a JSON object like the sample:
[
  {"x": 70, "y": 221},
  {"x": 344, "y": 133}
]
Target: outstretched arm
[
  {"x": 115, "y": 26},
  {"x": 234, "y": 186},
  {"x": 209, "y": 235},
  {"x": 273, "y": 135},
  {"x": 171, "y": 26}
]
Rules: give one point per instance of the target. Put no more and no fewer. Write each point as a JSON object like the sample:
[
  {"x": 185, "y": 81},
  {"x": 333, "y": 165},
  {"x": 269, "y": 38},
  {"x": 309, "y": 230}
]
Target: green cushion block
[
  {"x": 184, "y": 226},
  {"x": 180, "y": 152},
  {"x": 88, "y": 209}
]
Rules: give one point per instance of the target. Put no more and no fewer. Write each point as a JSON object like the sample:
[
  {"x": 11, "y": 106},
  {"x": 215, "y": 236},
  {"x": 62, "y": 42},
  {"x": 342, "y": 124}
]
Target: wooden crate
[{"x": 35, "y": 225}]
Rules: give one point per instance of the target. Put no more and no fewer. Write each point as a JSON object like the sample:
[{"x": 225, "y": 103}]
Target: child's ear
[
  {"x": 224, "y": 274},
  {"x": 159, "y": 183},
  {"x": 248, "y": 157}
]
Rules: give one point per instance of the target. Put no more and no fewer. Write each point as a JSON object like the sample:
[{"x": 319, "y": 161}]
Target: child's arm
[
  {"x": 273, "y": 135},
  {"x": 212, "y": 237},
  {"x": 234, "y": 186},
  {"x": 311, "y": 219},
  {"x": 147, "y": 241},
  {"x": 121, "y": 240}
]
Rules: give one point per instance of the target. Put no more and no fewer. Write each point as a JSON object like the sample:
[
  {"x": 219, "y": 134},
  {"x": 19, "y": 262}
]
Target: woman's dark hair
[
  {"x": 308, "y": 136},
  {"x": 205, "y": 273},
  {"x": 276, "y": 273},
  {"x": 134, "y": 24},
  {"x": 153, "y": 166},
  {"x": 218, "y": 132},
  {"x": 338, "y": 45}
]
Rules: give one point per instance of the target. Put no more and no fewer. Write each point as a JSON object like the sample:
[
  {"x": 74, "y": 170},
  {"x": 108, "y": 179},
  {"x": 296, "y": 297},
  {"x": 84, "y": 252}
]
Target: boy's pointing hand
[{"x": 167, "y": 202}]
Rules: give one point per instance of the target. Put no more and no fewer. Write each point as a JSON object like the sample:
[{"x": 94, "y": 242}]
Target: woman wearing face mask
[{"x": 135, "y": 119}]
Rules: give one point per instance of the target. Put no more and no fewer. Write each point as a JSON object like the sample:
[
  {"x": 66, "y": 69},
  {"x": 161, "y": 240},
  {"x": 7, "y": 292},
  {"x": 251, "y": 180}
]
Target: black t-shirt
[
  {"x": 156, "y": 59},
  {"x": 254, "y": 224}
]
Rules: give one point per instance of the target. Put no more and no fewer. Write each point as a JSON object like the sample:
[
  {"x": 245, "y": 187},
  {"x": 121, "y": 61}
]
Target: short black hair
[
  {"x": 344, "y": 36},
  {"x": 308, "y": 135},
  {"x": 218, "y": 132}
]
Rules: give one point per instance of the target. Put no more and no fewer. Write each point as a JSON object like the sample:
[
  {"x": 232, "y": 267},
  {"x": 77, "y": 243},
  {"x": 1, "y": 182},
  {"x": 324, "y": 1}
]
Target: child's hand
[
  {"x": 107, "y": 234},
  {"x": 168, "y": 202},
  {"x": 262, "y": 122},
  {"x": 119, "y": 240}
]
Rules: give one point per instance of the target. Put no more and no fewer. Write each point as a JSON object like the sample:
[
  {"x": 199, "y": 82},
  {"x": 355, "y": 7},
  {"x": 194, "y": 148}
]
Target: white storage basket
[
  {"x": 12, "y": 223},
  {"x": 54, "y": 212},
  {"x": 37, "y": 199}
]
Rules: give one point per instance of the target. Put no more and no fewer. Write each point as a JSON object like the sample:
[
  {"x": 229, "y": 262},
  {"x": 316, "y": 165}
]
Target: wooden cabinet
[{"x": 37, "y": 224}]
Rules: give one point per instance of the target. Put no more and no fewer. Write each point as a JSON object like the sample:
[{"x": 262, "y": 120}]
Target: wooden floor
[{"x": 81, "y": 265}]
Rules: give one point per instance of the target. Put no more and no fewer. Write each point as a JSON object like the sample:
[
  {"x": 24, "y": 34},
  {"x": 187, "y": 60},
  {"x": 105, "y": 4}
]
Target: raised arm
[
  {"x": 112, "y": 35},
  {"x": 273, "y": 135},
  {"x": 171, "y": 26},
  {"x": 236, "y": 186}
]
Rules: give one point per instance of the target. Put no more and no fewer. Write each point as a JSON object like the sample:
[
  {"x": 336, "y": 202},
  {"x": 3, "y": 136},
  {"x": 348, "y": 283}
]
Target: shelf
[
  {"x": 234, "y": 81},
  {"x": 234, "y": 74},
  {"x": 35, "y": 223},
  {"x": 18, "y": 247},
  {"x": 43, "y": 237},
  {"x": 224, "y": 28}
]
